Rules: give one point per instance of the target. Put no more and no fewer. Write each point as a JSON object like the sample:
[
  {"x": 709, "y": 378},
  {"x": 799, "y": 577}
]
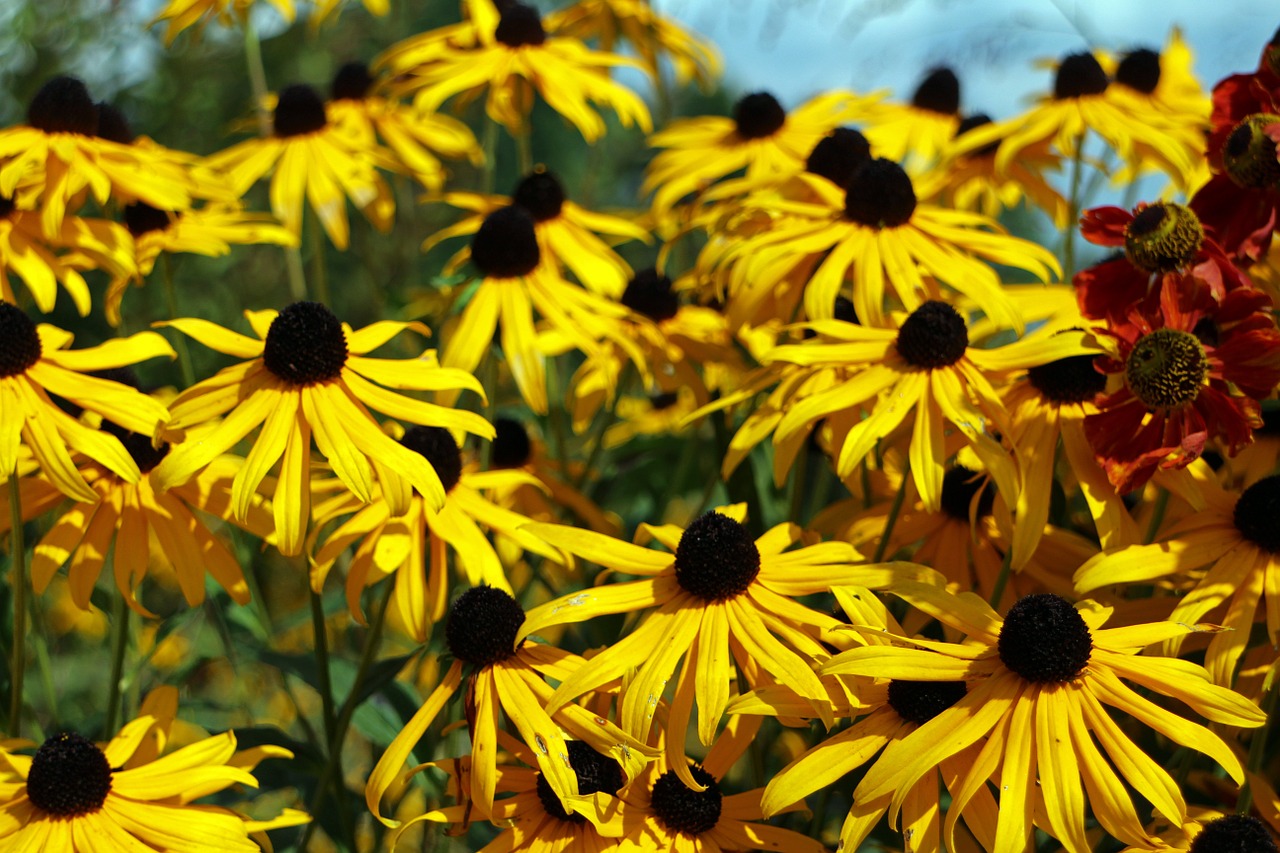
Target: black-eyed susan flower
[
  {"x": 1038, "y": 682},
  {"x": 34, "y": 364},
  {"x": 77, "y": 797},
  {"x": 314, "y": 162},
  {"x": 178, "y": 15},
  {"x": 310, "y": 377},
  {"x": 653, "y": 36},
  {"x": 875, "y": 235},
  {"x": 918, "y": 132},
  {"x": 415, "y": 546},
  {"x": 506, "y": 672},
  {"x": 512, "y": 56}
]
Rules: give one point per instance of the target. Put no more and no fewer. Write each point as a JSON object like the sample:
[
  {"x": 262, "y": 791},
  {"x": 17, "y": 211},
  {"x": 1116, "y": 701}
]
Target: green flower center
[
  {"x": 63, "y": 105},
  {"x": 597, "y": 774},
  {"x": 933, "y": 336},
  {"x": 1045, "y": 640},
  {"x": 1235, "y": 833},
  {"x": 305, "y": 344},
  {"x": 437, "y": 446},
  {"x": 541, "y": 194},
  {"x": 938, "y": 93},
  {"x": 651, "y": 294},
  {"x": 1163, "y": 237},
  {"x": 1249, "y": 155},
  {"x": 920, "y": 701},
  {"x": 506, "y": 246},
  {"x": 1166, "y": 368},
  {"x": 298, "y": 110},
  {"x": 1068, "y": 380},
  {"x": 959, "y": 488},
  {"x": 1257, "y": 512},
  {"x": 69, "y": 776},
  {"x": 758, "y": 115},
  {"x": 682, "y": 809},
  {"x": 838, "y": 155},
  {"x": 482, "y": 626},
  {"x": 1139, "y": 70},
  {"x": 716, "y": 558},
  {"x": 879, "y": 195},
  {"x": 511, "y": 446},
  {"x": 1079, "y": 75},
  {"x": 19, "y": 342}
]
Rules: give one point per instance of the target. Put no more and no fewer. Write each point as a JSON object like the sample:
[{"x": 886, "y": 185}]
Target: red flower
[{"x": 1193, "y": 372}]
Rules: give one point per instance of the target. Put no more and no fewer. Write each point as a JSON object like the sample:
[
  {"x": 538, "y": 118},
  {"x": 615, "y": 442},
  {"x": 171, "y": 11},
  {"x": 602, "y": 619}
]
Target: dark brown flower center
[
  {"x": 511, "y": 446},
  {"x": 437, "y": 446},
  {"x": 506, "y": 245},
  {"x": 934, "y": 335},
  {"x": 299, "y": 110},
  {"x": 650, "y": 293},
  {"x": 938, "y": 93},
  {"x": 519, "y": 25},
  {"x": 145, "y": 454},
  {"x": 352, "y": 82},
  {"x": 838, "y": 155},
  {"x": 1257, "y": 513},
  {"x": 1234, "y": 833},
  {"x": 482, "y": 626},
  {"x": 682, "y": 809},
  {"x": 1073, "y": 379},
  {"x": 1163, "y": 237},
  {"x": 1249, "y": 154},
  {"x": 1045, "y": 640},
  {"x": 541, "y": 194},
  {"x": 6, "y": 207},
  {"x": 1166, "y": 368},
  {"x": 19, "y": 342},
  {"x": 1079, "y": 75},
  {"x": 305, "y": 344},
  {"x": 716, "y": 558},
  {"x": 880, "y": 195},
  {"x": 1139, "y": 70},
  {"x": 960, "y": 486},
  {"x": 63, "y": 105},
  {"x": 758, "y": 115},
  {"x": 113, "y": 125},
  {"x": 597, "y": 774},
  {"x": 973, "y": 122},
  {"x": 69, "y": 776},
  {"x": 141, "y": 218},
  {"x": 920, "y": 701}
]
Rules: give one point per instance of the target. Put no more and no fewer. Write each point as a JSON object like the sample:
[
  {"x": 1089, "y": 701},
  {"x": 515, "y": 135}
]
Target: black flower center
[
  {"x": 145, "y": 455},
  {"x": 938, "y": 93},
  {"x": 920, "y": 701},
  {"x": 506, "y": 245},
  {"x": 141, "y": 218},
  {"x": 758, "y": 115},
  {"x": 112, "y": 125},
  {"x": 305, "y": 344},
  {"x": 299, "y": 110},
  {"x": 436, "y": 444},
  {"x": 511, "y": 446},
  {"x": 716, "y": 558},
  {"x": 69, "y": 776},
  {"x": 541, "y": 194},
  {"x": 650, "y": 293},
  {"x": 519, "y": 25},
  {"x": 973, "y": 122},
  {"x": 1140, "y": 70},
  {"x": 19, "y": 342},
  {"x": 682, "y": 809},
  {"x": 959, "y": 488},
  {"x": 1079, "y": 75},
  {"x": 1073, "y": 379},
  {"x": 1257, "y": 512},
  {"x": 880, "y": 195},
  {"x": 351, "y": 83},
  {"x": 838, "y": 155},
  {"x": 1249, "y": 154},
  {"x": 597, "y": 774},
  {"x": 1163, "y": 237},
  {"x": 1045, "y": 639},
  {"x": 1235, "y": 833},
  {"x": 63, "y": 105},
  {"x": 659, "y": 402},
  {"x": 933, "y": 336},
  {"x": 1166, "y": 368},
  {"x": 6, "y": 207},
  {"x": 482, "y": 626}
]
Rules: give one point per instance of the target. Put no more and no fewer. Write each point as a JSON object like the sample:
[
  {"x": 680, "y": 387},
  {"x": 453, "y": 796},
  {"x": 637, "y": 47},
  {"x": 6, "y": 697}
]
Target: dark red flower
[{"x": 1241, "y": 220}]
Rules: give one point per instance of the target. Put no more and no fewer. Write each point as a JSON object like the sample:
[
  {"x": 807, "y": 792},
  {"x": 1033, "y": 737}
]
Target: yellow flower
[
  {"x": 309, "y": 376},
  {"x": 177, "y": 15},
  {"x": 313, "y": 160},
  {"x": 34, "y": 363},
  {"x": 917, "y": 134},
  {"x": 1037, "y": 683}
]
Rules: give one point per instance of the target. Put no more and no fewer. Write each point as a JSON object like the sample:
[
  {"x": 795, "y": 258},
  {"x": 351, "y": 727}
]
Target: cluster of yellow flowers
[{"x": 909, "y": 446}]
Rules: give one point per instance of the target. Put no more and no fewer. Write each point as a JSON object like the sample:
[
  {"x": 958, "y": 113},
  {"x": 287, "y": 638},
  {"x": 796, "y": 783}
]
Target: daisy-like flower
[
  {"x": 414, "y": 546},
  {"x": 309, "y": 376},
  {"x": 874, "y": 233},
  {"x": 57, "y": 154},
  {"x": 35, "y": 363},
  {"x": 506, "y": 672},
  {"x": 1192, "y": 372},
  {"x": 715, "y": 595},
  {"x": 43, "y": 263},
  {"x": 314, "y": 161},
  {"x": 1037, "y": 684},
  {"x": 917, "y": 133},
  {"x": 653, "y": 36},
  {"x": 705, "y": 818},
  {"x": 76, "y": 797},
  {"x": 1229, "y": 549},
  {"x": 415, "y": 137},
  {"x": 1160, "y": 240},
  {"x": 512, "y": 56},
  {"x": 568, "y": 234},
  {"x": 760, "y": 137},
  {"x": 210, "y": 231},
  {"x": 1215, "y": 833},
  {"x": 178, "y": 15}
]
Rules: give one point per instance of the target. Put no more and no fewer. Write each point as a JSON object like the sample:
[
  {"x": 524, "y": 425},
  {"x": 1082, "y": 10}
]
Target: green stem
[
  {"x": 894, "y": 510},
  {"x": 801, "y": 469},
  {"x": 171, "y": 297},
  {"x": 331, "y": 773},
  {"x": 1258, "y": 743},
  {"x": 18, "y": 583},
  {"x": 322, "y": 664},
  {"x": 319, "y": 281},
  {"x": 1073, "y": 213},
  {"x": 257, "y": 76},
  {"x": 524, "y": 149},
  {"x": 119, "y": 643},
  {"x": 297, "y": 279},
  {"x": 603, "y": 422},
  {"x": 555, "y": 413},
  {"x": 1157, "y": 517},
  {"x": 45, "y": 666},
  {"x": 1002, "y": 580},
  {"x": 489, "y": 144}
]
